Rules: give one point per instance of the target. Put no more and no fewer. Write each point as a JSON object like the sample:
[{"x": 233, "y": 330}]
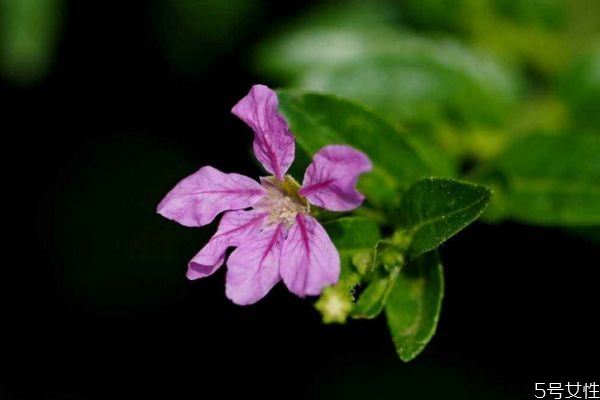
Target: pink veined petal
[
  {"x": 199, "y": 198},
  {"x": 274, "y": 145},
  {"x": 310, "y": 261},
  {"x": 253, "y": 268},
  {"x": 235, "y": 228},
  {"x": 330, "y": 180}
]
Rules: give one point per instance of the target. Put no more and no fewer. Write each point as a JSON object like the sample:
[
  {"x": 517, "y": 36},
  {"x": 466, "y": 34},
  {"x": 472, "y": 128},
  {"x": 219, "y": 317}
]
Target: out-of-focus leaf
[
  {"x": 581, "y": 88},
  {"x": 419, "y": 80},
  {"x": 551, "y": 180},
  {"x": 29, "y": 30},
  {"x": 328, "y": 34},
  {"x": 434, "y": 209},
  {"x": 545, "y": 52},
  {"x": 405, "y": 77},
  {"x": 435, "y": 15},
  {"x": 414, "y": 305},
  {"x": 547, "y": 13},
  {"x": 527, "y": 33},
  {"x": 318, "y": 120},
  {"x": 457, "y": 15}
]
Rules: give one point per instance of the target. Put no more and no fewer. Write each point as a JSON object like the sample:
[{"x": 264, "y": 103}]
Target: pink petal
[
  {"x": 199, "y": 198},
  {"x": 310, "y": 261},
  {"x": 253, "y": 268},
  {"x": 273, "y": 143},
  {"x": 235, "y": 228},
  {"x": 330, "y": 180}
]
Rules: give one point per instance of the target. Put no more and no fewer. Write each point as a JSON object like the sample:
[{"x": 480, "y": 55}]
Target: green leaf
[
  {"x": 551, "y": 180},
  {"x": 413, "y": 307},
  {"x": 352, "y": 236},
  {"x": 318, "y": 120},
  {"x": 386, "y": 261},
  {"x": 352, "y": 233},
  {"x": 373, "y": 298},
  {"x": 434, "y": 209}
]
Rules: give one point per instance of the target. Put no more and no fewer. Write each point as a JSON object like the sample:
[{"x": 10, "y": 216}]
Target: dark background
[{"x": 110, "y": 314}]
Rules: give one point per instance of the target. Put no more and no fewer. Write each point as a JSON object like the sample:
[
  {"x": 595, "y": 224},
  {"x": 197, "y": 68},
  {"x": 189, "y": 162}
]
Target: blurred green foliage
[
  {"x": 29, "y": 30},
  {"x": 464, "y": 80},
  {"x": 549, "y": 180},
  {"x": 407, "y": 78},
  {"x": 580, "y": 88}
]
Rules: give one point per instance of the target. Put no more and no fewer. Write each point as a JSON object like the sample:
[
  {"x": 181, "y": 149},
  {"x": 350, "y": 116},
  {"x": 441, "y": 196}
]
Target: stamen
[{"x": 282, "y": 202}]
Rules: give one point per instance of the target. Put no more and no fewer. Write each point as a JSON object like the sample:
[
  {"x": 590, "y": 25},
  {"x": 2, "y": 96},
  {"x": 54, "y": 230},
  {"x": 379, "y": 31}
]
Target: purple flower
[{"x": 269, "y": 222}]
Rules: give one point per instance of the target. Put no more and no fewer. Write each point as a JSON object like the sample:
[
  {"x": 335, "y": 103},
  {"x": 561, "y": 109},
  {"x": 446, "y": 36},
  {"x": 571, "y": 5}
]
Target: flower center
[{"x": 282, "y": 201}]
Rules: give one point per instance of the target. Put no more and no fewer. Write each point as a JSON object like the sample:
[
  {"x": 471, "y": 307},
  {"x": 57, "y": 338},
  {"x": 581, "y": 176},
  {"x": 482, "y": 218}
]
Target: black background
[{"x": 111, "y": 315}]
